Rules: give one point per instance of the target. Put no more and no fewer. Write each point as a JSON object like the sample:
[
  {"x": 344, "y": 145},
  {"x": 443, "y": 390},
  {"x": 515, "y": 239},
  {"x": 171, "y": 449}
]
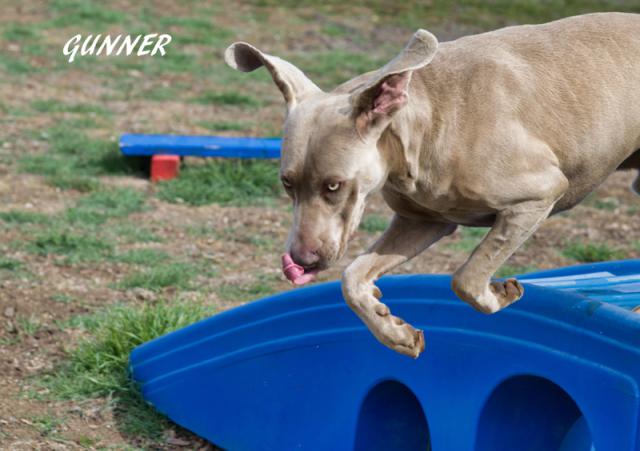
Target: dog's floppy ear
[
  {"x": 293, "y": 84},
  {"x": 386, "y": 91}
]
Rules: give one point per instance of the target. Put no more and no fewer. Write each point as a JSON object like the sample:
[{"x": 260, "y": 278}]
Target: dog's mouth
[{"x": 298, "y": 275}]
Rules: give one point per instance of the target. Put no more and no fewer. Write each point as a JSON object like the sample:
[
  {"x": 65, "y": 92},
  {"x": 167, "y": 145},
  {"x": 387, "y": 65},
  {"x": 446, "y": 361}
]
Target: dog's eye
[
  {"x": 286, "y": 183},
  {"x": 333, "y": 187}
]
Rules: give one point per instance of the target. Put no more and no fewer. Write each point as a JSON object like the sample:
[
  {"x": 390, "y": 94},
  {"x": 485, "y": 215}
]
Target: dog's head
[{"x": 331, "y": 159}]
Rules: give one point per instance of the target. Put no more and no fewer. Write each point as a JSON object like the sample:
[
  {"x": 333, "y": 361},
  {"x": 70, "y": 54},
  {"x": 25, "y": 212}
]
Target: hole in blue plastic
[
  {"x": 391, "y": 418},
  {"x": 530, "y": 413}
]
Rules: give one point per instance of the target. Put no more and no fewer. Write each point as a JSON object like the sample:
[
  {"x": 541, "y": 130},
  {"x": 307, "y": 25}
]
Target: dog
[{"x": 500, "y": 129}]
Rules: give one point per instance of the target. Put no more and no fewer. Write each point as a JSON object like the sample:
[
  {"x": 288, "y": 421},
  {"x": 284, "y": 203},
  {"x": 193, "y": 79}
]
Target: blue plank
[{"x": 200, "y": 146}]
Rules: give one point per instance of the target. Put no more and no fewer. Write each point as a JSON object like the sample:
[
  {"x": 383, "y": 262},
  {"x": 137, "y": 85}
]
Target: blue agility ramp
[
  {"x": 199, "y": 146},
  {"x": 559, "y": 370}
]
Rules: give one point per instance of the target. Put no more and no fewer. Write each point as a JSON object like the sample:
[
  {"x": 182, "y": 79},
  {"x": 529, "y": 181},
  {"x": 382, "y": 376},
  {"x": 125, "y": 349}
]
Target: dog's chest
[{"x": 427, "y": 202}]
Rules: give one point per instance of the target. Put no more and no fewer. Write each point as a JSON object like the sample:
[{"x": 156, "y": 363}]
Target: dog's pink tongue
[{"x": 294, "y": 272}]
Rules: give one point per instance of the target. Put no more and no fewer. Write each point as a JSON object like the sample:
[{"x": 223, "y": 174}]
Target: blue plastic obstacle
[
  {"x": 559, "y": 370},
  {"x": 200, "y": 146}
]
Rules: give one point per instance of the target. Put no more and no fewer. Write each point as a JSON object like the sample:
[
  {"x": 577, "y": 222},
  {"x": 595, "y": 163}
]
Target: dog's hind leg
[{"x": 633, "y": 162}]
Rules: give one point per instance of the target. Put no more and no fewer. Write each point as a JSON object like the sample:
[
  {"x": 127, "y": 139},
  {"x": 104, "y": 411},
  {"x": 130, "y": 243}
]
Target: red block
[{"x": 164, "y": 167}]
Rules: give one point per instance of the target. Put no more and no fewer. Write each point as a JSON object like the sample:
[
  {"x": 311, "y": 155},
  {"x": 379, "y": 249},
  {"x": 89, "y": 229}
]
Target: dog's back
[{"x": 573, "y": 84}]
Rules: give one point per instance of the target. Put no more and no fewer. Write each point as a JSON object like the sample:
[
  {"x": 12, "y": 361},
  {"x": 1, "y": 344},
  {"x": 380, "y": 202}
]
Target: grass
[
  {"x": 237, "y": 182},
  {"x": 75, "y": 246},
  {"x": 28, "y": 326},
  {"x": 262, "y": 240},
  {"x": 47, "y": 425},
  {"x": 99, "y": 206},
  {"x": 19, "y": 33},
  {"x": 161, "y": 94},
  {"x": 128, "y": 232},
  {"x": 62, "y": 298},
  {"x": 592, "y": 252},
  {"x": 56, "y": 106},
  {"x": 374, "y": 223},
  {"x": 68, "y": 181},
  {"x": 97, "y": 367},
  {"x": 508, "y": 270},
  {"x": 226, "y": 126},
  {"x": 243, "y": 293},
  {"x": 73, "y": 157},
  {"x": 333, "y": 68},
  {"x": 10, "y": 264},
  {"x": 470, "y": 237},
  {"x": 143, "y": 256},
  {"x": 176, "y": 275},
  {"x": 609, "y": 204},
  {"x": 226, "y": 98},
  {"x": 23, "y": 217},
  {"x": 15, "y": 66},
  {"x": 85, "y": 15},
  {"x": 606, "y": 203}
]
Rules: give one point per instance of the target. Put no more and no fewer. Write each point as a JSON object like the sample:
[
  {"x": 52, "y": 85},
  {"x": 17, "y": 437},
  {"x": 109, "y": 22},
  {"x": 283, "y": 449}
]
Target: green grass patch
[
  {"x": 241, "y": 235},
  {"x": 161, "y": 94},
  {"x": 226, "y": 126},
  {"x": 374, "y": 223},
  {"x": 75, "y": 246},
  {"x": 86, "y": 122},
  {"x": 97, "y": 367},
  {"x": 243, "y": 293},
  {"x": 47, "y": 425},
  {"x": 19, "y": 33},
  {"x": 470, "y": 237},
  {"x": 27, "y": 326},
  {"x": 10, "y": 264},
  {"x": 99, "y": 206},
  {"x": 67, "y": 181},
  {"x": 74, "y": 156},
  {"x": 333, "y": 68},
  {"x": 57, "y": 106},
  {"x": 608, "y": 204},
  {"x": 143, "y": 256},
  {"x": 129, "y": 233},
  {"x": 592, "y": 252},
  {"x": 197, "y": 30},
  {"x": 226, "y": 98},
  {"x": 15, "y": 65},
  {"x": 238, "y": 182},
  {"x": 508, "y": 270},
  {"x": 62, "y": 298},
  {"x": 84, "y": 15},
  {"x": 23, "y": 217},
  {"x": 155, "y": 278}
]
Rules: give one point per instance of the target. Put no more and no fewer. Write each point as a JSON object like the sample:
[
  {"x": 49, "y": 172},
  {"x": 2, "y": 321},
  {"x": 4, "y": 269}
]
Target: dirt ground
[{"x": 34, "y": 312}]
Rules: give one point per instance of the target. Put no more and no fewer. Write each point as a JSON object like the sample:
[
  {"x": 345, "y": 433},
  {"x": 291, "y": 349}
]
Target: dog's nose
[{"x": 304, "y": 256}]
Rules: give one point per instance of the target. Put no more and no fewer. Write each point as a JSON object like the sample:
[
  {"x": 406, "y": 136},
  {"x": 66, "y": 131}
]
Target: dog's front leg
[
  {"x": 404, "y": 239},
  {"x": 472, "y": 281}
]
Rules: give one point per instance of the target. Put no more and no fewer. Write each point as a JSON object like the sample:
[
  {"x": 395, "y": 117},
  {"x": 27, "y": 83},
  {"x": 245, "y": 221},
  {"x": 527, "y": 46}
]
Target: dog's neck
[{"x": 402, "y": 142}]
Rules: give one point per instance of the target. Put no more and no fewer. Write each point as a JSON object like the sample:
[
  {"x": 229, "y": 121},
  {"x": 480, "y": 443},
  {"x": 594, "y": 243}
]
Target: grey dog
[{"x": 500, "y": 129}]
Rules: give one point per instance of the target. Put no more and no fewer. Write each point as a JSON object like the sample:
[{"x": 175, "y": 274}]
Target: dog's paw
[
  {"x": 507, "y": 292},
  {"x": 402, "y": 337},
  {"x": 393, "y": 332},
  {"x": 397, "y": 334}
]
